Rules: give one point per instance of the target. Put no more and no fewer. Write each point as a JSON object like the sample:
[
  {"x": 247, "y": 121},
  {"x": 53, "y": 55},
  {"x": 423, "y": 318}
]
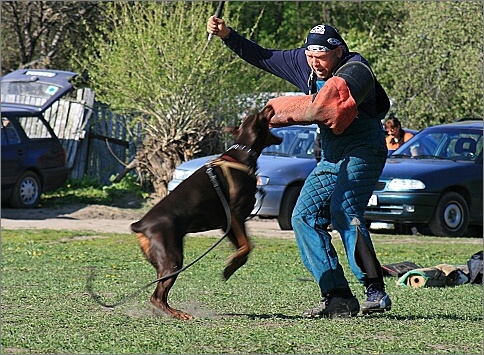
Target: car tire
[
  {"x": 27, "y": 191},
  {"x": 287, "y": 206},
  {"x": 451, "y": 216}
]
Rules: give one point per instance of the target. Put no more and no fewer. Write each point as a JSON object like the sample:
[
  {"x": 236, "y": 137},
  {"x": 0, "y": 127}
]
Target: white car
[{"x": 281, "y": 174}]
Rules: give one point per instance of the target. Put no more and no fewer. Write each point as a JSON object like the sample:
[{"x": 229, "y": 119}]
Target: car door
[
  {"x": 44, "y": 150},
  {"x": 14, "y": 152}
]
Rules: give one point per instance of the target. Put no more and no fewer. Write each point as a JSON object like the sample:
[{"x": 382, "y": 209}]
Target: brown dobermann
[{"x": 195, "y": 206}]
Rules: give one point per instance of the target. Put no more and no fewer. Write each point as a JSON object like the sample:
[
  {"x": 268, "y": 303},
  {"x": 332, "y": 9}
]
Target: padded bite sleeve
[
  {"x": 359, "y": 79},
  {"x": 333, "y": 106}
]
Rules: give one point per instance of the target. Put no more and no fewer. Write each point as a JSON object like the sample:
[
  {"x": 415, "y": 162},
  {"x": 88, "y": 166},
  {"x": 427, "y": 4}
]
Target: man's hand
[
  {"x": 289, "y": 110},
  {"x": 216, "y": 26}
]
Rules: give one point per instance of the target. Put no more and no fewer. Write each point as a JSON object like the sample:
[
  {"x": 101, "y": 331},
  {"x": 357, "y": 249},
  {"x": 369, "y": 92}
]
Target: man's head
[{"x": 324, "y": 50}]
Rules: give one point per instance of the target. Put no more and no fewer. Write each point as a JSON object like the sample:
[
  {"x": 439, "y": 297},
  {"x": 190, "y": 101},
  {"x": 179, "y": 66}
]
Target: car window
[
  {"x": 9, "y": 133},
  {"x": 454, "y": 145},
  {"x": 27, "y": 93},
  {"x": 34, "y": 128},
  {"x": 296, "y": 142},
  {"x": 479, "y": 146},
  {"x": 462, "y": 147}
]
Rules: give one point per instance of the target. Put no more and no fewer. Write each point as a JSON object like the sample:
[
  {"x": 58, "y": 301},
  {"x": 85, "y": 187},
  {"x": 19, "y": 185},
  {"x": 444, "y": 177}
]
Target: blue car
[
  {"x": 33, "y": 159},
  {"x": 281, "y": 174},
  {"x": 434, "y": 182}
]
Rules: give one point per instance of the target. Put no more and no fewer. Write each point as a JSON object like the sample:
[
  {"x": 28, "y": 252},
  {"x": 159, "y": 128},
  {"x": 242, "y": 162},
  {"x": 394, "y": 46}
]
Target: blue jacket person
[{"x": 347, "y": 102}]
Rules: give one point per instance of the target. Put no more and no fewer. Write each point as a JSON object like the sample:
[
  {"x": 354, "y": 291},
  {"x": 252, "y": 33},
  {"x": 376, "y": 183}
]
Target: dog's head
[{"x": 254, "y": 131}]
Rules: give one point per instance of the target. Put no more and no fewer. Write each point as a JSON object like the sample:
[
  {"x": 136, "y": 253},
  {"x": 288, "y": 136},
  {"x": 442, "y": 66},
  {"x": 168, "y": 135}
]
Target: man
[{"x": 347, "y": 103}]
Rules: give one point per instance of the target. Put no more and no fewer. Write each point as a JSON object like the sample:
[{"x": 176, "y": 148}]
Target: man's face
[{"x": 323, "y": 63}]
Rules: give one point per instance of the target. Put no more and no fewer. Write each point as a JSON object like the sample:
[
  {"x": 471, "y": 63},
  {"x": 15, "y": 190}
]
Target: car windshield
[
  {"x": 465, "y": 144},
  {"x": 27, "y": 92},
  {"x": 296, "y": 142}
]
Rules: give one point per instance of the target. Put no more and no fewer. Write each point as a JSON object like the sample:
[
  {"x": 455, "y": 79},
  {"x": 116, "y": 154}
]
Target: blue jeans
[{"x": 337, "y": 193}]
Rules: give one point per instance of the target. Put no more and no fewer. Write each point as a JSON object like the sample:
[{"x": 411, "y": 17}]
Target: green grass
[
  {"x": 46, "y": 309},
  {"x": 126, "y": 193}
]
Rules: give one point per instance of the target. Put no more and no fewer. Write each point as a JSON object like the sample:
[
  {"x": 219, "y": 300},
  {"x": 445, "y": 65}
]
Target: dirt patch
[
  {"x": 100, "y": 218},
  {"x": 74, "y": 211},
  {"x": 106, "y": 212}
]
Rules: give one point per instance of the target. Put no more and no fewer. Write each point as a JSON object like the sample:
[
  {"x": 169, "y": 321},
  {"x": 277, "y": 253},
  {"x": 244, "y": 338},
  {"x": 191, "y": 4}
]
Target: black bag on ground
[
  {"x": 398, "y": 269},
  {"x": 475, "y": 268}
]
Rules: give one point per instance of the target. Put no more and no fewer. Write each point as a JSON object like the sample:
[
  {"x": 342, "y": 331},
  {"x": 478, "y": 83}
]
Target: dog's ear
[
  {"x": 271, "y": 139},
  {"x": 268, "y": 111}
]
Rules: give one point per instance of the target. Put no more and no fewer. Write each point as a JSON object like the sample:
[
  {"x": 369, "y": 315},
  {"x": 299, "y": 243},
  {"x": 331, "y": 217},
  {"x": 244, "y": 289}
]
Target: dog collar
[{"x": 244, "y": 147}]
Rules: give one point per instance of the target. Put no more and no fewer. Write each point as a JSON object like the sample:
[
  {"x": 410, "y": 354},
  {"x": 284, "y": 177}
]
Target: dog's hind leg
[
  {"x": 165, "y": 253},
  {"x": 159, "y": 299},
  {"x": 238, "y": 237}
]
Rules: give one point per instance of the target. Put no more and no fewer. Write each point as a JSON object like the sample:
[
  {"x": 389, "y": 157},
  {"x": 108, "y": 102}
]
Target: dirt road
[{"x": 107, "y": 219}]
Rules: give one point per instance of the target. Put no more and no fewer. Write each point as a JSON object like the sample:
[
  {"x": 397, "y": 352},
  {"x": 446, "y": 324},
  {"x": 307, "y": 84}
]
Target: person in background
[
  {"x": 395, "y": 134},
  {"x": 348, "y": 103}
]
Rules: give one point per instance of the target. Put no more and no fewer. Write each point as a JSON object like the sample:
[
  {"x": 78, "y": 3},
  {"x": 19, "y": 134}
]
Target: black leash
[{"x": 216, "y": 185}]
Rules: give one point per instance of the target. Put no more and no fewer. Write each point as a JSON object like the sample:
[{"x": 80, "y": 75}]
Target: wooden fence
[{"x": 98, "y": 142}]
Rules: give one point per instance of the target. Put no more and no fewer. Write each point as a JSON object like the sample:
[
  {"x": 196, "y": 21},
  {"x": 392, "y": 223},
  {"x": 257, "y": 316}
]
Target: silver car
[{"x": 281, "y": 174}]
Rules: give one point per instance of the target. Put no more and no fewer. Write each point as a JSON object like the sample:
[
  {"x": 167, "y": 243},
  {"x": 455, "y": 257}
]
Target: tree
[
  {"x": 43, "y": 34},
  {"x": 285, "y": 24},
  {"x": 433, "y": 68},
  {"x": 154, "y": 62},
  {"x": 148, "y": 53}
]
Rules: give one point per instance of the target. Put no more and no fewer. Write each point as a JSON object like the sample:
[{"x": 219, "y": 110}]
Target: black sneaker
[
  {"x": 376, "y": 301},
  {"x": 334, "y": 307}
]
